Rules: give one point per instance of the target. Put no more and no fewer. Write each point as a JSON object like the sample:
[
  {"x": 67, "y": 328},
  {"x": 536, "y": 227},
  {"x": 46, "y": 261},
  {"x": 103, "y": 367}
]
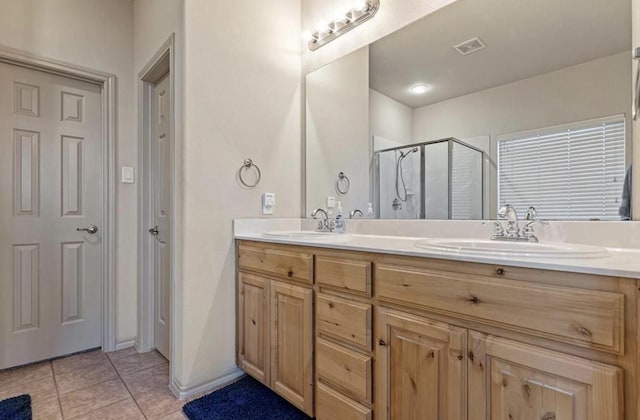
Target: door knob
[
  {"x": 92, "y": 229},
  {"x": 154, "y": 231}
]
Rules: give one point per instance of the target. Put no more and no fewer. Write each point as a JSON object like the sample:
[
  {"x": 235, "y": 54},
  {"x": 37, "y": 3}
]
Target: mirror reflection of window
[{"x": 570, "y": 172}]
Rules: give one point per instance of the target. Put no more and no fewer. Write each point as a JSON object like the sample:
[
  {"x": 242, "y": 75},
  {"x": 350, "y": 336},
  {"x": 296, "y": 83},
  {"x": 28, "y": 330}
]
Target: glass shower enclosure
[{"x": 439, "y": 179}]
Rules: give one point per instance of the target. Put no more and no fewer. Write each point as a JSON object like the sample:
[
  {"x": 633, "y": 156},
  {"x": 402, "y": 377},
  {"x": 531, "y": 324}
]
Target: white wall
[
  {"x": 96, "y": 34},
  {"x": 389, "y": 118},
  {"x": 242, "y": 100},
  {"x": 337, "y": 131},
  {"x": 589, "y": 90},
  {"x": 154, "y": 21}
]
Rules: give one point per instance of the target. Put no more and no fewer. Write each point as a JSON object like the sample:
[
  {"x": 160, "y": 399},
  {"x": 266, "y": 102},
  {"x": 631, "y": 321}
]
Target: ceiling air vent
[{"x": 470, "y": 46}]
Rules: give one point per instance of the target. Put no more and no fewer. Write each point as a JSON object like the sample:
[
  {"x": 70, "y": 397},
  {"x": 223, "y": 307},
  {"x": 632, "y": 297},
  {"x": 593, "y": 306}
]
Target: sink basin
[
  {"x": 548, "y": 250},
  {"x": 307, "y": 235}
]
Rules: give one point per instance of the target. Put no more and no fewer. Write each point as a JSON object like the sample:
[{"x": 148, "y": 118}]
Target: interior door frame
[
  {"x": 162, "y": 62},
  {"x": 108, "y": 84}
]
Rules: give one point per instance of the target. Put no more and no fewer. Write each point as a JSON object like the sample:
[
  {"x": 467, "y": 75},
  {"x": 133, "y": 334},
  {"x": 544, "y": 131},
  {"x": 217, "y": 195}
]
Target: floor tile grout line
[
  {"x": 127, "y": 388},
  {"x": 89, "y": 386},
  {"x": 81, "y": 388},
  {"x": 55, "y": 383}
]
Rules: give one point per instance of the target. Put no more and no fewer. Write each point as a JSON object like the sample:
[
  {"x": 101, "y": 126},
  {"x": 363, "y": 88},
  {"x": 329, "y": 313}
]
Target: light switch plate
[{"x": 128, "y": 176}]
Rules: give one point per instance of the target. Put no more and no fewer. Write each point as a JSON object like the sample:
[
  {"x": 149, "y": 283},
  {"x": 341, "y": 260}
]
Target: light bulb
[
  {"x": 339, "y": 16},
  {"x": 306, "y": 36},
  {"x": 323, "y": 26},
  {"x": 361, "y": 5}
]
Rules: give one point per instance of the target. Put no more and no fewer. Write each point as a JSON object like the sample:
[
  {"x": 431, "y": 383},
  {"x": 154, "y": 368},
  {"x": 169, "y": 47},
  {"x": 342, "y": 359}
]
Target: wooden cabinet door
[
  {"x": 292, "y": 344},
  {"x": 420, "y": 368},
  {"x": 510, "y": 380},
  {"x": 253, "y": 326}
]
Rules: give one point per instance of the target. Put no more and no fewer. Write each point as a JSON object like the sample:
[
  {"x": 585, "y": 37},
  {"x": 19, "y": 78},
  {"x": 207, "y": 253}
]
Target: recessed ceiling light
[{"x": 420, "y": 88}]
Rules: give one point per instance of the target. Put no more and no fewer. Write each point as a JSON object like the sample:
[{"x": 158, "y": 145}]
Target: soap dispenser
[
  {"x": 339, "y": 224},
  {"x": 370, "y": 214}
]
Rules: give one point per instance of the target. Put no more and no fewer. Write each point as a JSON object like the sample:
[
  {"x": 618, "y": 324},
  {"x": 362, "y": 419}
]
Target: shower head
[{"x": 412, "y": 150}]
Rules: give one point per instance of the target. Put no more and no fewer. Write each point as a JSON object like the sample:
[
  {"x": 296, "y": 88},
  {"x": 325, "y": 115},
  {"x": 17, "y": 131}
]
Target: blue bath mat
[
  {"x": 16, "y": 408},
  {"x": 246, "y": 399}
]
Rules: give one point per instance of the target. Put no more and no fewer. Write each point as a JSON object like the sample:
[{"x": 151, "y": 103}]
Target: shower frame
[{"x": 423, "y": 186}]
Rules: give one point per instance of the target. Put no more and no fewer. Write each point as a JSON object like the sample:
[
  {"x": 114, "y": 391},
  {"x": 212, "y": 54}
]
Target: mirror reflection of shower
[
  {"x": 440, "y": 179},
  {"x": 401, "y": 185}
]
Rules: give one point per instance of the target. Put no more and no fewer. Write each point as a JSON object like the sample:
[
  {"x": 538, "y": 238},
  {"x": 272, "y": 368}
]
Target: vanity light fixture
[
  {"x": 342, "y": 23},
  {"x": 419, "y": 88}
]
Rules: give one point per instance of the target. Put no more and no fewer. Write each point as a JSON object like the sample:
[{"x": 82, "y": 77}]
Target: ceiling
[{"x": 524, "y": 38}]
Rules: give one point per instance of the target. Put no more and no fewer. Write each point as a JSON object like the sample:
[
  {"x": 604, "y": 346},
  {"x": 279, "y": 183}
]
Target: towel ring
[
  {"x": 343, "y": 184},
  {"x": 248, "y": 164}
]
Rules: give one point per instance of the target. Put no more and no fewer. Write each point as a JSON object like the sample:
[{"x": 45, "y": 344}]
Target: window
[{"x": 573, "y": 172}]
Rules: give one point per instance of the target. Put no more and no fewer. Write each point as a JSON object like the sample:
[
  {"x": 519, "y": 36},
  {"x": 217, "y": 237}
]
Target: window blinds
[{"x": 575, "y": 172}]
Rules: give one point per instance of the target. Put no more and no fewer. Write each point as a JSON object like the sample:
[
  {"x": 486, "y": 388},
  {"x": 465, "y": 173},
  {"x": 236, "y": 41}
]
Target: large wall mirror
[{"x": 480, "y": 104}]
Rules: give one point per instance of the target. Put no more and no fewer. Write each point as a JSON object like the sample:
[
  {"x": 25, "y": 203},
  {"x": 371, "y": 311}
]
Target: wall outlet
[
  {"x": 268, "y": 203},
  {"x": 128, "y": 176}
]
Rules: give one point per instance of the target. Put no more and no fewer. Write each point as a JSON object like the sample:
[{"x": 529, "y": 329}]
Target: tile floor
[{"x": 123, "y": 385}]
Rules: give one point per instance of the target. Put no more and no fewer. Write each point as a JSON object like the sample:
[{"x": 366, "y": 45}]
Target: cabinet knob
[
  {"x": 382, "y": 343},
  {"x": 583, "y": 331},
  {"x": 500, "y": 271},
  {"x": 474, "y": 300},
  {"x": 290, "y": 273}
]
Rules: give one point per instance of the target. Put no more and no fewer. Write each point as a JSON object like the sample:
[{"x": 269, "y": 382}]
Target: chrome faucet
[
  {"x": 527, "y": 230},
  {"x": 512, "y": 231},
  {"x": 509, "y": 213},
  {"x": 353, "y": 213},
  {"x": 324, "y": 224}
]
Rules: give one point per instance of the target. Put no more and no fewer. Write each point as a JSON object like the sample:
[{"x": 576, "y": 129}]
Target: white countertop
[{"x": 622, "y": 262}]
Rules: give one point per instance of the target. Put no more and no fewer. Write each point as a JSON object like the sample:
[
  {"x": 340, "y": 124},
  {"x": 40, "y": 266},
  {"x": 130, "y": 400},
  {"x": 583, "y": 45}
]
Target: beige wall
[
  {"x": 96, "y": 34},
  {"x": 242, "y": 100}
]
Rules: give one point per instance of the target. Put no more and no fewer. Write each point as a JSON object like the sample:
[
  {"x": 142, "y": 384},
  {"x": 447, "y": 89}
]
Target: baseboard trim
[
  {"x": 125, "y": 344},
  {"x": 185, "y": 392}
]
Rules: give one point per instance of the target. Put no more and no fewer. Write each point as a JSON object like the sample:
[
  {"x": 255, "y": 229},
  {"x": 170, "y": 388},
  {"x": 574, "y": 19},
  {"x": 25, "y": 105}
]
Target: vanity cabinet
[
  {"x": 512, "y": 380},
  {"x": 275, "y": 322},
  {"x": 420, "y": 368},
  {"x": 431, "y": 370},
  {"x": 356, "y": 335},
  {"x": 254, "y": 327},
  {"x": 344, "y": 333}
]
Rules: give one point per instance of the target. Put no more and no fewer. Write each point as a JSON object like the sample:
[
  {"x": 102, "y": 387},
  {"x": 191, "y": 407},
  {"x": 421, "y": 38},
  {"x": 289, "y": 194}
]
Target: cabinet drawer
[
  {"x": 344, "y": 319},
  {"x": 292, "y": 265},
  {"x": 344, "y": 369},
  {"x": 348, "y": 275},
  {"x": 586, "y": 318},
  {"x": 331, "y": 405}
]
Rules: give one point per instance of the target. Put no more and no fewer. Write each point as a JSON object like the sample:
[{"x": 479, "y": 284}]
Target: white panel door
[
  {"x": 161, "y": 179},
  {"x": 50, "y": 184}
]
